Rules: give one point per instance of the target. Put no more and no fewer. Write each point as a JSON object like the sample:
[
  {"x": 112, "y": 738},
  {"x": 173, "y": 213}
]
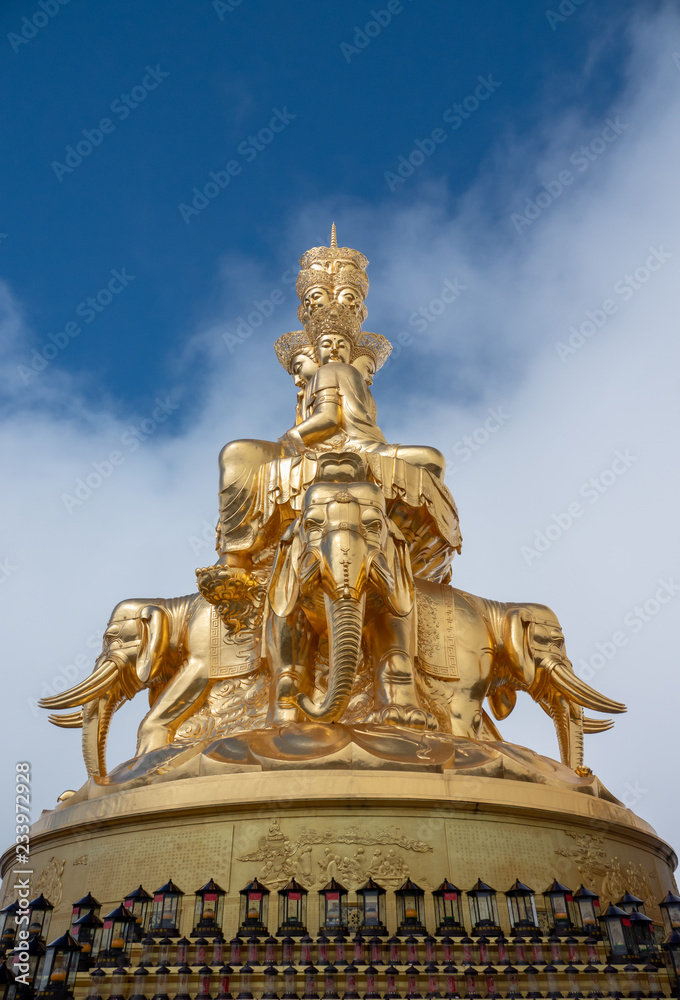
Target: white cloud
[{"x": 493, "y": 347}]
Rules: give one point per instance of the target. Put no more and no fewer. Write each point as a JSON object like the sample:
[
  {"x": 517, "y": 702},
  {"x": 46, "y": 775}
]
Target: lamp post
[
  {"x": 371, "y": 899},
  {"x": 39, "y": 917},
  {"x": 619, "y": 933},
  {"x": 116, "y": 939},
  {"x": 292, "y": 910},
  {"x": 138, "y": 902},
  {"x": 521, "y": 907},
  {"x": 588, "y": 903},
  {"x": 8, "y": 925},
  {"x": 254, "y": 908},
  {"x": 80, "y": 908},
  {"x": 27, "y": 960},
  {"x": 410, "y": 909},
  {"x": 670, "y": 911},
  {"x": 448, "y": 910},
  {"x": 59, "y": 968},
  {"x": 671, "y": 954},
  {"x": 167, "y": 910},
  {"x": 483, "y": 909},
  {"x": 208, "y": 909},
  {"x": 562, "y": 910},
  {"x": 87, "y": 931}
]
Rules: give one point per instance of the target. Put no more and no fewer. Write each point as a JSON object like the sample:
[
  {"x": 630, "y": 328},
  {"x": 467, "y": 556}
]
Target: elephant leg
[
  {"x": 391, "y": 648},
  {"x": 185, "y": 693},
  {"x": 290, "y": 646}
]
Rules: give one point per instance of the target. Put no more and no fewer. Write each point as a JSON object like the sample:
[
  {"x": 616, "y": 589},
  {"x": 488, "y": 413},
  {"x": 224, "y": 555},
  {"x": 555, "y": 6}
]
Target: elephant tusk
[
  {"x": 596, "y": 725},
  {"x": 86, "y": 691},
  {"x": 72, "y": 721},
  {"x": 573, "y": 687}
]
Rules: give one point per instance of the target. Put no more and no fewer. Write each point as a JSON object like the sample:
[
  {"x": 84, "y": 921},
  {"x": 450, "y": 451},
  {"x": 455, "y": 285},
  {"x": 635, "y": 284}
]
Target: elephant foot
[{"x": 411, "y": 718}]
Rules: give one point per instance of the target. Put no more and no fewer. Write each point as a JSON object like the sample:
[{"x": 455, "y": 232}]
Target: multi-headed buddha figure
[{"x": 332, "y": 362}]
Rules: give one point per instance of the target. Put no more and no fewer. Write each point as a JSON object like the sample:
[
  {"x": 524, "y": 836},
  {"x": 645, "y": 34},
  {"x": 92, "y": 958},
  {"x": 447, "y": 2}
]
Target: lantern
[
  {"x": 289, "y": 974},
  {"x": 470, "y": 982},
  {"x": 119, "y": 926},
  {"x": 617, "y": 924},
  {"x": 118, "y": 977},
  {"x": 270, "y": 949},
  {"x": 371, "y": 974},
  {"x": 310, "y": 973},
  {"x": 161, "y": 979},
  {"x": 448, "y": 910},
  {"x": 653, "y": 982},
  {"x": 412, "y": 955},
  {"x": 333, "y": 908},
  {"x": 340, "y": 942},
  {"x": 358, "y": 941},
  {"x": 81, "y": 907},
  {"x": 208, "y": 909},
  {"x": 391, "y": 992},
  {"x": 306, "y": 949},
  {"x": 531, "y": 972},
  {"x": 254, "y": 907},
  {"x": 292, "y": 909},
  {"x": 394, "y": 949},
  {"x": 502, "y": 948},
  {"x": 139, "y": 978},
  {"x": 225, "y": 979},
  {"x": 8, "y": 989},
  {"x": 512, "y": 977},
  {"x": 572, "y": 981},
  {"x": 431, "y": 971},
  {"x": 218, "y": 949},
  {"x": 235, "y": 947},
  {"x": 550, "y": 972},
  {"x": 669, "y": 906},
  {"x": 483, "y": 908},
  {"x": 412, "y": 975},
  {"x": 204, "y": 980},
  {"x": 270, "y": 974},
  {"x": 87, "y": 931},
  {"x": 287, "y": 950},
  {"x": 450, "y": 973},
  {"x": 183, "y": 976},
  {"x": 410, "y": 908},
  {"x": 671, "y": 954},
  {"x": 643, "y": 935},
  {"x": 245, "y": 979},
  {"x": 8, "y": 925},
  {"x": 252, "y": 956},
  {"x": 167, "y": 909},
  {"x": 330, "y": 979},
  {"x": 147, "y": 950},
  {"x": 612, "y": 983},
  {"x": 39, "y": 917},
  {"x": 375, "y": 951},
  {"x": 629, "y": 902},
  {"x": 28, "y": 960},
  {"x": 371, "y": 900},
  {"x": 559, "y": 902},
  {"x": 588, "y": 903},
  {"x": 490, "y": 978},
  {"x": 138, "y": 903},
  {"x": 182, "y": 951},
  {"x": 633, "y": 976},
  {"x": 521, "y": 907},
  {"x": 59, "y": 968},
  {"x": 94, "y": 990},
  {"x": 350, "y": 982}
]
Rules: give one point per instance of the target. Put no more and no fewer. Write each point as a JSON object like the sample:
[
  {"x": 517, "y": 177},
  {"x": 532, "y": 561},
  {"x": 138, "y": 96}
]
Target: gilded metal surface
[{"x": 327, "y": 631}]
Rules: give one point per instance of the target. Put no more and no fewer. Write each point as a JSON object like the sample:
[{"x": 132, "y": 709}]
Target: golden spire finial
[{"x": 334, "y": 238}]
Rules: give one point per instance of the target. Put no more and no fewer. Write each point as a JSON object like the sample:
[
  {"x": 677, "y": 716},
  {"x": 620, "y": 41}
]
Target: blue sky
[{"x": 555, "y": 195}]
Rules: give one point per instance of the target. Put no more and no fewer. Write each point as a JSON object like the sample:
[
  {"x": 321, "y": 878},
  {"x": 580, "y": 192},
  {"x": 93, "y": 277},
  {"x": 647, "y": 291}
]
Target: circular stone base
[{"x": 316, "y": 824}]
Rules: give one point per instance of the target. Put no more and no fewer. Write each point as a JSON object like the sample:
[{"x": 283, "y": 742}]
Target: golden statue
[{"x": 328, "y": 620}]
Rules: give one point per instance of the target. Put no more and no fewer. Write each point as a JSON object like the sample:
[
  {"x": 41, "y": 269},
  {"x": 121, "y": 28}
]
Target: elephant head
[
  {"x": 134, "y": 647},
  {"x": 341, "y": 551},
  {"x": 534, "y": 653}
]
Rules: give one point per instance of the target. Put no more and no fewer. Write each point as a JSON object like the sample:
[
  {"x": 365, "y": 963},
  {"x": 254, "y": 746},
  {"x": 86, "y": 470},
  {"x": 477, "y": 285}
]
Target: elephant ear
[
  {"x": 518, "y": 642},
  {"x": 154, "y": 643},
  {"x": 401, "y": 594},
  {"x": 283, "y": 585}
]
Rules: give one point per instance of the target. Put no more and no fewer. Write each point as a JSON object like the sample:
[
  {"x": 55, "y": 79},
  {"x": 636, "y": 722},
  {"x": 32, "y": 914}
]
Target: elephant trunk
[{"x": 345, "y": 616}]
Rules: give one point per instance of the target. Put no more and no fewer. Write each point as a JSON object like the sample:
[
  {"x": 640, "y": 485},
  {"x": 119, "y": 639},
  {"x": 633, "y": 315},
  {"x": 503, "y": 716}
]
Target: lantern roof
[
  {"x": 170, "y": 887},
  {"x": 614, "y": 911},
  {"x": 40, "y": 903},
  {"x": 371, "y": 885},
  {"x": 556, "y": 886},
  {"x": 409, "y": 887},
  {"x": 638, "y": 917},
  {"x": 88, "y": 901},
  {"x": 255, "y": 886},
  {"x": 88, "y": 919},
  {"x": 479, "y": 886},
  {"x": 628, "y": 899},
  {"x": 120, "y": 913},
  {"x": 583, "y": 893},
  {"x": 66, "y": 942},
  {"x": 333, "y": 886},
  {"x": 211, "y": 886},
  {"x": 519, "y": 889},
  {"x": 447, "y": 886},
  {"x": 13, "y": 907},
  {"x": 139, "y": 893},
  {"x": 668, "y": 900},
  {"x": 292, "y": 886}
]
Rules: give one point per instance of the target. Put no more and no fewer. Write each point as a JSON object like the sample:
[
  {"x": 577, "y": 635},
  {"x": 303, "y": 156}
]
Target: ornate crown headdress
[{"x": 325, "y": 256}]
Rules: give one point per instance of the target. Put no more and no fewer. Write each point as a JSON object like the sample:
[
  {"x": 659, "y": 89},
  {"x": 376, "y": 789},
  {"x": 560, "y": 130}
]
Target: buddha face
[
  {"x": 350, "y": 297},
  {"x": 366, "y": 366},
  {"x": 333, "y": 347},
  {"x": 302, "y": 369},
  {"x": 314, "y": 298}
]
